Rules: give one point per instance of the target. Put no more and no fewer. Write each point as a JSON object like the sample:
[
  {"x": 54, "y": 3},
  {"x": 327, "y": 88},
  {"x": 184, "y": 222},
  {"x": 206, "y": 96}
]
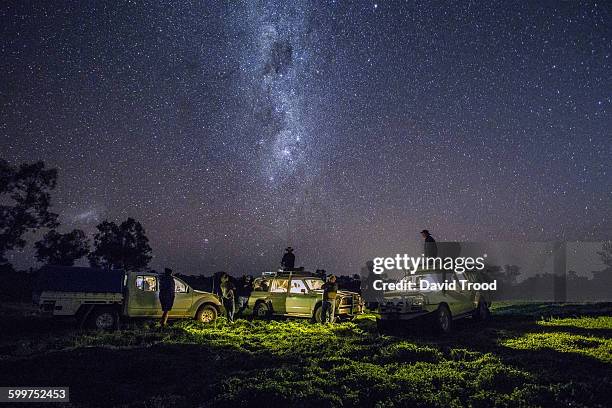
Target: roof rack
[{"x": 283, "y": 273}]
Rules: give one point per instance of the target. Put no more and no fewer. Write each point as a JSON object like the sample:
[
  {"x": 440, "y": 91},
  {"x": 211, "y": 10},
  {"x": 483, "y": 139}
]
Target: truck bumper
[{"x": 403, "y": 316}]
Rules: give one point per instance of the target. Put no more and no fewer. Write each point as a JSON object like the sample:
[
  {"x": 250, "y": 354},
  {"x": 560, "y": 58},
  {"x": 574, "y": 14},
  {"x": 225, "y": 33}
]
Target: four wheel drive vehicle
[
  {"x": 97, "y": 297},
  {"x": 298, "y": 294},
  {"x": 441, "y": 306}
]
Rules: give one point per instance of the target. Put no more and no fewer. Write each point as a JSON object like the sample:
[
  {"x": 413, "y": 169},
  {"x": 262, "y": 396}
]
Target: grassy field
[{"x": 527, "y": 355}]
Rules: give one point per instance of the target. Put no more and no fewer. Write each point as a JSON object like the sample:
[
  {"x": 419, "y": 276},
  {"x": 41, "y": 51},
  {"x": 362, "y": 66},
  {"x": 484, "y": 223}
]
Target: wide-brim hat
[{"x": 425, "y": 232}]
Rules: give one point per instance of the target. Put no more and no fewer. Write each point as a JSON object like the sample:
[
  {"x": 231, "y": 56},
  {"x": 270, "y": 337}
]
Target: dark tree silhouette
[
  {"x": 62, "y": 249},
  {"x": 25, "y": 199},
  {"x": 606, "y": 254},
  {"x": 122, "y": 246}
]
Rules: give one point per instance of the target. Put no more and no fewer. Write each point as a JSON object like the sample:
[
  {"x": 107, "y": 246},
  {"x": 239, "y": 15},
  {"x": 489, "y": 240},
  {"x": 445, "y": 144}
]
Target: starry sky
[{"x": 233, "y": 129}]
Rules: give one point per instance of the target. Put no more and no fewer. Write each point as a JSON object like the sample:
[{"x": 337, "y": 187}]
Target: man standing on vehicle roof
[
  {"x": 166, "y": 294},
  {"x": 430, "y": 248},
  {"x": 328, "y": 308},
  {"x": 288, "y": 261}
]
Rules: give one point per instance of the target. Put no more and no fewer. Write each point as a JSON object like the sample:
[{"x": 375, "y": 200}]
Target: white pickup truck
[{"x": 98, "y": 297}]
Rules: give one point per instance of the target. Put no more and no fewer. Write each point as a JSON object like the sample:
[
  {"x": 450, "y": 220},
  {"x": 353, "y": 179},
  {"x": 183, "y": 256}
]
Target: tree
[
  {"x": 25, "y": 199},
  {"x": 122, "y": 246},
  {"x": 606, "y": 254},
  {"x": 62, "y": 249}
]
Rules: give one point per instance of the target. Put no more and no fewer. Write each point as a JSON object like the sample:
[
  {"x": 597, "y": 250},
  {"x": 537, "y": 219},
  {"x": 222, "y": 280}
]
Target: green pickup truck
[{"x": 98, "y": 298}]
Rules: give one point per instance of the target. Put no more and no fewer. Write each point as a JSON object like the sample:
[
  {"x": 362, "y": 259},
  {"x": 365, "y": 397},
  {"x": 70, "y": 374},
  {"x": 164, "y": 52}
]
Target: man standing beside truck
[
  {"x": 330, "y": 290},
  {"x": 166, "y": 294},
  {"x": 228, "y": 291}
]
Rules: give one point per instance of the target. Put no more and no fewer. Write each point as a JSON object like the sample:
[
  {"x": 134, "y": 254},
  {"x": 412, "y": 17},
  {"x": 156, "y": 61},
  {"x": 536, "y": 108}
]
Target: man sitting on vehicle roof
[{"x": 288, "y": 261}]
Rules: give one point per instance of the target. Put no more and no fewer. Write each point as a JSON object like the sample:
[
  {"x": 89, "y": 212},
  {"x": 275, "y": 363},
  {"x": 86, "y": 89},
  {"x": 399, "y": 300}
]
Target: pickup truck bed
[{"x": 68, "y": 303}]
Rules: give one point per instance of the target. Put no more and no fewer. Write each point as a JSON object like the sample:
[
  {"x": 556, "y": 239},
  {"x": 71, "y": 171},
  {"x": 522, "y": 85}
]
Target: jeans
[
  {"x": 230, "y": 308},
  {"x": 328, "y": 311},
  {"x": 243, "y": 303}
]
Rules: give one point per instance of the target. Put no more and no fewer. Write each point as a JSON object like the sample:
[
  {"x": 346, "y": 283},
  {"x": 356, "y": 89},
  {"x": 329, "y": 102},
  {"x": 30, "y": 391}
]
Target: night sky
[{"x": 340, "y": 128}]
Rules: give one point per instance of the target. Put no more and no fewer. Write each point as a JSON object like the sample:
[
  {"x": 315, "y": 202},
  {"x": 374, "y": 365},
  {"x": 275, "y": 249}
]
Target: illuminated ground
[{"x": 522, "y": 357}]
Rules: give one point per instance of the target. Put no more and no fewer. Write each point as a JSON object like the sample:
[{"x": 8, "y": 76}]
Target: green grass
[{"x": 518, "y": 359}]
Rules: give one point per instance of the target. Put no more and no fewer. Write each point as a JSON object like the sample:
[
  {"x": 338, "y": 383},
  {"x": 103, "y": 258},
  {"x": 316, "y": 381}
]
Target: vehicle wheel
[
  {"x": 262, "y": 311},
  {"x": 206, "y": 314},
  {"x": 482, "y": 312},
  {"x": 103, "y": 319},
  {"x": 443, "y": 319},
  {"x": 317, "y": 316}
]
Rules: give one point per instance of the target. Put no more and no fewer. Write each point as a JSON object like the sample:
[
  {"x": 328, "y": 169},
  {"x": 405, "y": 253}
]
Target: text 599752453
[{"x": 34, "y": 394}]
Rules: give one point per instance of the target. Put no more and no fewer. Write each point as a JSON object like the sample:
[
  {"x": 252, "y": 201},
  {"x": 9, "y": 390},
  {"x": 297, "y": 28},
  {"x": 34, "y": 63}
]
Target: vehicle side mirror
[{"x": 303, "y": 290}]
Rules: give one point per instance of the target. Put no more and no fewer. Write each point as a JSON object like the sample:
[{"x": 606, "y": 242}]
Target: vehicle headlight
[{"x": 417, "y": 300}]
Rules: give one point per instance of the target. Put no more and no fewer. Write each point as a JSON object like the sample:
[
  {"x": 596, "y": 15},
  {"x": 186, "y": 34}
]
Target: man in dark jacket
[
  {"x": 166, "y": 294},
  {"x": 328, "y": 308},
  {"x": 288, "y": 261},
  {"x": 430, "y": 248},
  {"x": 228, "y": 295},
  {"x": 245, "y": 287}
]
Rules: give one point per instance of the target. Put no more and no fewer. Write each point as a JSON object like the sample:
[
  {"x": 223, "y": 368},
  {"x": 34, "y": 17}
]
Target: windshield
[
  {"x": 314, "y": 283},
  {"x": 429, "y": 277}
]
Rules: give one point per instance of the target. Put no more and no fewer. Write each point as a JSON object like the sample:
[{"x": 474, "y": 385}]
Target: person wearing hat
[
  {"x": 430, "y": 247},
  {"x": 288, "y": 261},
  {"x": 166, "y": 294},
  {"x": 228, "y": 296},
  {"x": 328, "y": 308}
]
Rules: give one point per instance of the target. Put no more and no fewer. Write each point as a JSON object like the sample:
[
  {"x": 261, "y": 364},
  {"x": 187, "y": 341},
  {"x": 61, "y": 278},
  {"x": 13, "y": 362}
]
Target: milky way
[{"x": 233, "y": 130}]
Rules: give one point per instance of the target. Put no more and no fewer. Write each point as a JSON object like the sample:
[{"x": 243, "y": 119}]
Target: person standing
[
  {"x": 166, "y": 294},
  {"x": 228, "y": 292},
  {"x": 288, "y": 261},
  {"x": 244, "y": 292},
  {"x": 328, "y": 309},
  {"x": 430, "y": 247}
]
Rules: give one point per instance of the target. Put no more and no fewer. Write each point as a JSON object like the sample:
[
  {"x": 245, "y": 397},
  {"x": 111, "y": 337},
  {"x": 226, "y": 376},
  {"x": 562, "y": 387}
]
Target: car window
[
  {"x": 146, "y": 283},
  {"x": 279, "y": 286},
  {"x": 429, "y": 277},
  {"x": 314, "y": 284},
  {"x": 298, "y": 286},
  {"x": 179, "y": 287},
  {"x": 261, "y": 285}
]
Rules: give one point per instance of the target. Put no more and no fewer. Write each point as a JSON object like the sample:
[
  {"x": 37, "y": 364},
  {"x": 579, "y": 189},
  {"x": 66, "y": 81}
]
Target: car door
[
  {"x": 452, "y": 297},
  {"x": 299, "y": 299},
  {"x": 183, "y": 298},
  {"x": 464, "y": 298},
  {"x": 143, "y": 296},
  {"x": 278, "y": 295}
]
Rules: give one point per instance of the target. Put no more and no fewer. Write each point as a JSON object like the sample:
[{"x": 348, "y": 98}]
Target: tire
[
  {"x": 103, "y": 319},
  {"x": 262, "y": 311},
  {"x": 317, "y": 316},
  {"x": 442, "y": 319},
  {"x": 206, "y": 314},
  {"x": 482, "y": 312}
]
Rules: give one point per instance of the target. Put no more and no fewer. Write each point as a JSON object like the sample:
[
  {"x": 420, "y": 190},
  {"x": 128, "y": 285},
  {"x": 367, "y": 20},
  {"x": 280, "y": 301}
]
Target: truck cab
[{"x": 143, "y": 296}]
